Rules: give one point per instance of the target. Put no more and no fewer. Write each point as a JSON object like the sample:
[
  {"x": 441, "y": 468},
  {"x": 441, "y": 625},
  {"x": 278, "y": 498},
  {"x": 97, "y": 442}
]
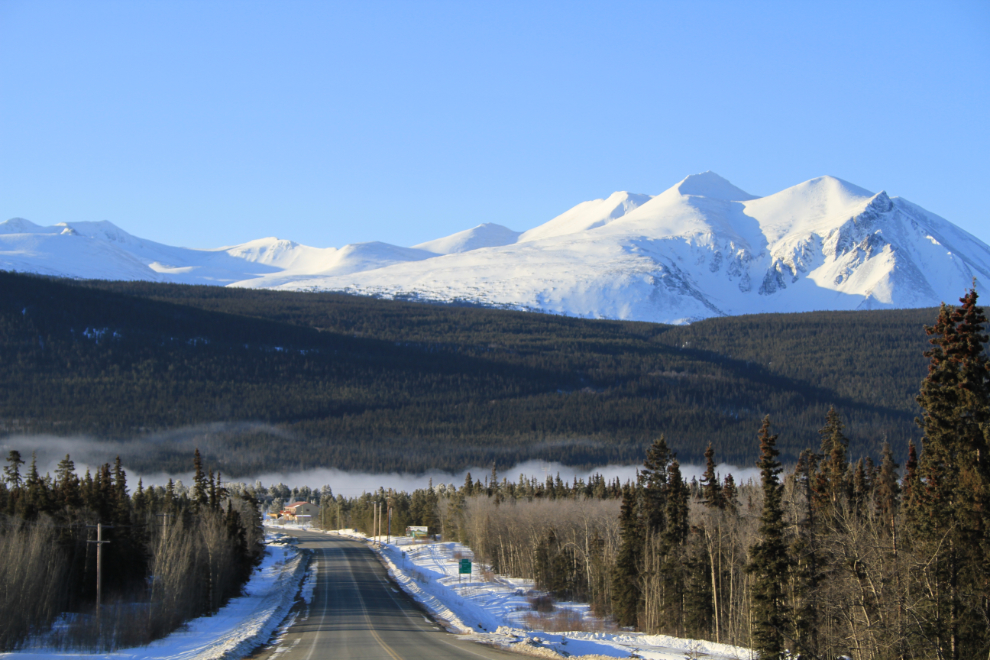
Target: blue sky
[{"x": 210, "y": 123}]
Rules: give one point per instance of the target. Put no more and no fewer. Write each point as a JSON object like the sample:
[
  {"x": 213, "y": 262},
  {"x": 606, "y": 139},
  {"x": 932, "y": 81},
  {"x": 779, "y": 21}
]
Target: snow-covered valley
[{"x": 701, "y": 248}]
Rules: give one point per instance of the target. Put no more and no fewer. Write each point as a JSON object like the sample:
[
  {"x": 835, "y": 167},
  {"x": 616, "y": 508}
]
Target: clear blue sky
[{"x": 210, "y": 123}]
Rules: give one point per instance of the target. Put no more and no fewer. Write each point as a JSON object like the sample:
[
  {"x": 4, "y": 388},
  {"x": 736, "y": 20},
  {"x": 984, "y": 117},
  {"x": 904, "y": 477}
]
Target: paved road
[{"x": 357, "y": 614}]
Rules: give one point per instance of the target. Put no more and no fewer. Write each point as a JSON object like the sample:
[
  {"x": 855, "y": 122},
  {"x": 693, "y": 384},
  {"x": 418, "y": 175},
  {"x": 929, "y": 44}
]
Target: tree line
[{"x": 167, "y": 556}]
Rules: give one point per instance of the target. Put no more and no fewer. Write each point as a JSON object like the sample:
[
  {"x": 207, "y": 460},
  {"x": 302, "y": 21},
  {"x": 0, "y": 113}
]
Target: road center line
[
  {"x": 326, "y": 602},
  {"x": 367, "y": 617}
]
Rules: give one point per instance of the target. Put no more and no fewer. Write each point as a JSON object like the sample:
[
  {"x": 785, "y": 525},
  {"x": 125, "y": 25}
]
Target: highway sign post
[{"x": 464, "y": 568}]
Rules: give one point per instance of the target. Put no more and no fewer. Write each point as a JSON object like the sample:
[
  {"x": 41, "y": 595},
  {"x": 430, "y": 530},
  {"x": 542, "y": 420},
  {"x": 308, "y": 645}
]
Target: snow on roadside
[
  {"x": 497, "y": 610},
  {"x": 237, "y": 629}
]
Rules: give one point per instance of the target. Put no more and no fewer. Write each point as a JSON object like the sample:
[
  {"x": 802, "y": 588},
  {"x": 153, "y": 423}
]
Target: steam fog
[{"x": 88, "y": 453}]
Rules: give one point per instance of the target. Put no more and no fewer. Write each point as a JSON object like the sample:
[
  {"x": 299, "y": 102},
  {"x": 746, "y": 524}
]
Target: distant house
[{"x": 300, "y": 512}]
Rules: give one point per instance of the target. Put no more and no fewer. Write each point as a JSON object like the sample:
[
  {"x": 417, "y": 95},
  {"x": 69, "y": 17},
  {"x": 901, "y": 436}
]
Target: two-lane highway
[{"x": 357, "y": 613}]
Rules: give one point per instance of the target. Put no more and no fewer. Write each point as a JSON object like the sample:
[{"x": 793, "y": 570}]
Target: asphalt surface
[{"x": 357, "y": 613}]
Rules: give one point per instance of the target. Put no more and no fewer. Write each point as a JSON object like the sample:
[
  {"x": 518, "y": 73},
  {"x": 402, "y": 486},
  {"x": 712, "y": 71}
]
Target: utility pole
[
  {"x": 99, "y": 567},
  {"x": 388, "y": 531}
]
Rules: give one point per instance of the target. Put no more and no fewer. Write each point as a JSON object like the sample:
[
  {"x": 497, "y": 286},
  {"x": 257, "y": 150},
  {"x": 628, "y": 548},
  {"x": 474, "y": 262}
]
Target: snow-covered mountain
[{"x": 699, "y": 249}]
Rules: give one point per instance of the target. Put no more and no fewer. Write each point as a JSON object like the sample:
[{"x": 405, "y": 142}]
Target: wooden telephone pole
[{"x": 99, "y": 567}]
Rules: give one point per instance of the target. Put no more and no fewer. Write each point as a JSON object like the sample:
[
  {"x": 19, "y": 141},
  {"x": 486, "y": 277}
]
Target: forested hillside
[{"x": 262, "y": 379}]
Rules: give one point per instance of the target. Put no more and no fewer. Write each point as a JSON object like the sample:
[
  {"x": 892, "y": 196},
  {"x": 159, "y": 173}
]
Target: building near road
[{"x": 299, "y": 512}]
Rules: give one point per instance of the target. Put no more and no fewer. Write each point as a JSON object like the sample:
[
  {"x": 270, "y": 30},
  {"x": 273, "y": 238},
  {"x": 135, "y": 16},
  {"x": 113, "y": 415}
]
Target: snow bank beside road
[
  {"x": 237, "y": 629},
  {"x": 496, "y": 610}
]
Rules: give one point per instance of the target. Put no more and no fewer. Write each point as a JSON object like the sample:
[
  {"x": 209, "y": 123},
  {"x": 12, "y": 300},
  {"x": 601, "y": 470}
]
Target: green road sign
[{"x": 465, "y": 567}]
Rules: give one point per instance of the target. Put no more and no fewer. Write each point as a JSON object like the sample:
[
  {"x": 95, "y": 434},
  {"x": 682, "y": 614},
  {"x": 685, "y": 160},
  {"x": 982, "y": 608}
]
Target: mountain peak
[
  {"x": 19, "y": 226},
  {"x": 485, "y": 235},
  {"x": 835, "y": 186},
  {"x": 102, "y": 229},
  {"x": 711, "y": 185}
]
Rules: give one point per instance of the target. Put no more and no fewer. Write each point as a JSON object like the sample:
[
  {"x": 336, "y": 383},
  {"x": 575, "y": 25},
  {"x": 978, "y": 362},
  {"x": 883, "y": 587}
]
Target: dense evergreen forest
[{"x": 261, "y": 379}]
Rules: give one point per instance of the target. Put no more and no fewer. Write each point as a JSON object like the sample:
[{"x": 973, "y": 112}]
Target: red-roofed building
[{"x": 300, "y": 512}]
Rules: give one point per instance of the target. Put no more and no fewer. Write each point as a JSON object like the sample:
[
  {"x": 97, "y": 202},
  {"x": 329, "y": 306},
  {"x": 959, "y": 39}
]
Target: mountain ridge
[{"x": 699, "y": 249}]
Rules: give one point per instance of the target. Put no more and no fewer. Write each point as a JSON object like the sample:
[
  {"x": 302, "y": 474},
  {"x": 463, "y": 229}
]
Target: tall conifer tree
[
  {"x": 654, "y": 479},
  {"x": 948, "y": 503},
  {"x": 832, "y": 486},
  {"x": 807, "y": 562},
  {"x": 201, "y": 488},
  {"x": 625, "y": 575},
  {"x": 711, "y": 489},
  {"x": 768, "y": 560}
]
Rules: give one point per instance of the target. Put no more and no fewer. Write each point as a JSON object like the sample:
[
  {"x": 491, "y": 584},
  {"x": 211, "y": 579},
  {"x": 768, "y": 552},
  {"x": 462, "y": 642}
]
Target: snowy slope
[
  {"x": 482, "y": 236},
  {"x": 101, "y": 250},
  {"x": 701, "y": 248},
  {"x": 705, "y": 248},
  {"x": 587, "y": 215}
]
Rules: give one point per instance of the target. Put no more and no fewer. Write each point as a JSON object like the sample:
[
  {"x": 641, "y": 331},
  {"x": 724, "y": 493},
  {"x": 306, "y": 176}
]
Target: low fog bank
[
  {"x": 351, "y": 484},
  {"x": 88, "y": 453},
  {"x": 172, "y": 445}
]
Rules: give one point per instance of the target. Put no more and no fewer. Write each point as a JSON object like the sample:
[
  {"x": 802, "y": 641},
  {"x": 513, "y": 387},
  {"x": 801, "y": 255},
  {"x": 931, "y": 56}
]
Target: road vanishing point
[{"x": 357, "y": 613}]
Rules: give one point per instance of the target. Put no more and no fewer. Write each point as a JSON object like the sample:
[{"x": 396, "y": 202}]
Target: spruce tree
[
  {"x": 806, "y": 568},
  {"x": 768, "y": 560},
  {"x": 948, "y": 516},
  {"x": 12, "y": 472},
  {"x": 832, "y": 485},
  {"x": 887, "y": 493},
  {"x": 674, "y": 557},
  {"x": 654, "y": 480},
  {"x": 909, "y": 484},
  {"x": 67, "y": 484},
  {"x": 625, "y": 574},
  {"x": 201, "y": 489},
  {"x": 861, "y": 488},
  {"x": 676, "y": 510},
  {"x": 711, "y": 489},
  {"x": 729, "y": 493},
  {"x": 35, "y": 499}
]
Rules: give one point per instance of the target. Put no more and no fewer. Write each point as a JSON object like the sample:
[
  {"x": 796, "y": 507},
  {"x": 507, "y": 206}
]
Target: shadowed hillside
[{"x": 265, "y": 380}]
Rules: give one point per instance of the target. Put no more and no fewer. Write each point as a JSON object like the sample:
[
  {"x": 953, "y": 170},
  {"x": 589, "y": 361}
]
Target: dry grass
[
  {"x": 542, "y": 603},
  {"x": 123, "y": 625},
  {"x": 564, "y": 620},
  {"x": 32, "y": 590}
]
